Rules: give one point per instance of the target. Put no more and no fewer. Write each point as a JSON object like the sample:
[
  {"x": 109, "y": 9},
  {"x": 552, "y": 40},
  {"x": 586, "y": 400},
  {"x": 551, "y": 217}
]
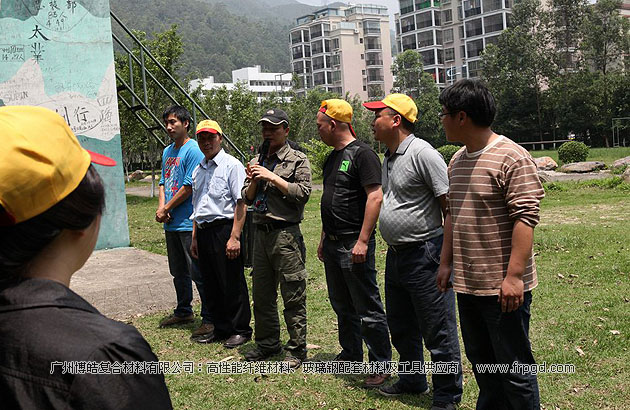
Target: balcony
[
  {"x": 373, "y": 62},
  {"x": 375, "y": 79}
]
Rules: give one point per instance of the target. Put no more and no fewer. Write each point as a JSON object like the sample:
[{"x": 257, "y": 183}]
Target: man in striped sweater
[{"x": 494, "y": 201}]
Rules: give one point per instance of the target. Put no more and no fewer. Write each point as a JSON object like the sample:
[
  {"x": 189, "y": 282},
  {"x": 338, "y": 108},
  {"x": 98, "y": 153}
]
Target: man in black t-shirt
[{"x": 350, "y": 207}]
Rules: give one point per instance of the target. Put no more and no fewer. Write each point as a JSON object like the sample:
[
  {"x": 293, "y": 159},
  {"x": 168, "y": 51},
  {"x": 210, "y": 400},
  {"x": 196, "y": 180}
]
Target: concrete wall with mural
[{"x": 58, "y": 54}]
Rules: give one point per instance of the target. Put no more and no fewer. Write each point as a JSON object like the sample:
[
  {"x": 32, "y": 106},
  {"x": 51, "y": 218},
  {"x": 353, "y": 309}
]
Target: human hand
[
  {"x": 233, "y": 248},
  {"x": 511, "y": 296},
  {"x": 320, "y": 250},
  {"x": 261, "y": 173},
  {"x": 359, "y": 252},
  {"x": 443, "y": 277},
  {"x": 193, "y": 248},
  {"x": 161, "y": 215}
]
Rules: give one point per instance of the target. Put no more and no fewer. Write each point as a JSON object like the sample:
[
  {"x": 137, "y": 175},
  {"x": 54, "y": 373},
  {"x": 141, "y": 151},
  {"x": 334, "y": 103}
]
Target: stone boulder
[
  {"x": 544, "y": 176},
  {"x": 626, "y": 175},
  {"x": 621, "y": 162},
  {"x": 136, "y": 175},
  {"x": 581, "y": 167},
  {"x": 545, "y": 164}
]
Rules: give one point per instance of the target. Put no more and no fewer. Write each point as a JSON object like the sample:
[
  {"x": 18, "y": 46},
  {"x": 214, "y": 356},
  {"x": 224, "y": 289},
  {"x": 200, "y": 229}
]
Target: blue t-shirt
[{"x": 177, "y": 168}]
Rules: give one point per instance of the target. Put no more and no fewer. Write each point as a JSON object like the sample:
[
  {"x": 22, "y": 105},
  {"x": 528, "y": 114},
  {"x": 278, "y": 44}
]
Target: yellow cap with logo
[
  {"x": 209, "y": 126},
  {"x": 339, "y": 110},
  {"x": 41, "y": 162}
]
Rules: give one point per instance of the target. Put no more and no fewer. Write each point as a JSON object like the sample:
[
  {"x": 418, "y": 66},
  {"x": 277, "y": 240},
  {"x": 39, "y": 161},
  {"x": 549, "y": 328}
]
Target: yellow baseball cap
[
  {"x": 401, "y": 103},
  {"x": 339, "y": 110},
  {"x": 209, "y": 126},
  {"x": 41, "y": 162}
]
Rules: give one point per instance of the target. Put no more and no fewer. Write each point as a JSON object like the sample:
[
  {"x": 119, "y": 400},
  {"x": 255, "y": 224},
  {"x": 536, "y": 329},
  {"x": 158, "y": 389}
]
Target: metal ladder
[{"x": 138, "y": 101}]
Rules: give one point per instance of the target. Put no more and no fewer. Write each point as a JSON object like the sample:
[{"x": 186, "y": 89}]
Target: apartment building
[
  {"x": 262, "y": 84},
  {"x": 451, "y": 34},
  {"x": 345, "y": 49}
]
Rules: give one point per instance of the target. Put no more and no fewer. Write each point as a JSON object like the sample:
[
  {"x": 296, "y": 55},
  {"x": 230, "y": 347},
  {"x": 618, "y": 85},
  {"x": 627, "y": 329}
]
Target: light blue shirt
[{"x": 216, "y": 187}]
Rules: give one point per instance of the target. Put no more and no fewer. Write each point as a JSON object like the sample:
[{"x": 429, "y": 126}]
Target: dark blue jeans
[
  {"x": 491, "y": 336},
  {"x": 356, "y": 300},
  {"x": 183, "y": 268},
  {"x": 417, "y": 311}
]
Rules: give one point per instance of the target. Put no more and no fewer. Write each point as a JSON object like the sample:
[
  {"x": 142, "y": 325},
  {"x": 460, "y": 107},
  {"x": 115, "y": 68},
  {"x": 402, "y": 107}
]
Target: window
[
  {"x": 373, "y": 43},
  {"x": 329, "y": 77},
  {"x": 335, "y": 43},
  {"x": 305, "y": 35},
  {"x": 424, "y": 20},
  {"x": 492, "y": 40},
  {"x": 474, "y": 69},
  {"x": 440, "y": 56},
  {"x": 431, "y": 71},
  {"x": 473, "y": 28},
  {"x": 317, "y": 47},
  {"x": 428, "y": 57},
  {"x": 447, "y": 16},
  {"x": 461, "y": 32},
  {"x": 316, "y": 31},
  {"x": 336, "y": 60},
  {"x": 319, "y": 78},
  {"x": 449, "y": 54},
  {"x": 296, "y": 37},
  {"x": 298, "y": 67},
  {"x": 472, "y": 8},
  {"x": 425, "y": 39},
  {"x": 493, "y": 23},
  {"x": 327, "y": 59},
  {"x": 406, "y": 24},
  {"x": 307, "y": 51},
  {"x": 474, "y": 48},
  {"x": 397, "y": 27},
  {"x": 374, "y": 59},
  {"x": 462, "y": 51},
  {"x": 336, "y": 76},
  {"x": 375, "y": 74},
  {"x": 327, "y": 46},
  {"x": 318, "y": 63},
  {"x": 372, "y": 27},
  {"x": 297, "y": 52},
  {"x": 491, "y": 5},
  {"x": 423, "y": 4},
  {"x": 406, "y": 6},
  {"x": 448, "y": 35},
  {"x": 408, "y": 42},
  {"x": 438, "y": 18},
  {"x": 438, "y": 37}
]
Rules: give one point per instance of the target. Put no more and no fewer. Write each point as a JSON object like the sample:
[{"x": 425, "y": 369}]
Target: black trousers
[{"x": 224, "y": 282}]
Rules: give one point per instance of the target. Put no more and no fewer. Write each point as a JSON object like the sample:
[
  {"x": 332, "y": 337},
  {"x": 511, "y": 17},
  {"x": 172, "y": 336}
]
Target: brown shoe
[
  {"x": 376, "y": 379},
  {"x": 173, "y": 320},
  {"x": 204, "y": 329},
  {"x": 294, "y": 361}
]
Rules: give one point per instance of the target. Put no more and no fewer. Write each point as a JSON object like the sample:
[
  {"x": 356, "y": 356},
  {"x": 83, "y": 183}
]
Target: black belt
[
  {"x": 343, "y": 236},
  {"x": 216, "y": 222},
  {"x": 405, "y": 246},
  {"x": 272, "y": 226}
]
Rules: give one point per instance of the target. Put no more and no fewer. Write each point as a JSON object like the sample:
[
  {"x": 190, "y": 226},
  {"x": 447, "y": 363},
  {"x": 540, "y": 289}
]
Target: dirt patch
[{"x": 593, "y": 214}]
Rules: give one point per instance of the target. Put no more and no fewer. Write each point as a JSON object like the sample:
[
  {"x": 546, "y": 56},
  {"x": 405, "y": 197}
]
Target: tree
[
  {"x": 411, "y": 79},
  {"x": 606, "y": 41},
  {"x": 518, "y": 69}
]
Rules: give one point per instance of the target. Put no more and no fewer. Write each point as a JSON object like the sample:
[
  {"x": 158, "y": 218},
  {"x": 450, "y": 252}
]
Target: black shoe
[
  {"x": 257, "y": 355},
  {"x": 396, "y": 390},
  {"x": 235, "y": 341}
]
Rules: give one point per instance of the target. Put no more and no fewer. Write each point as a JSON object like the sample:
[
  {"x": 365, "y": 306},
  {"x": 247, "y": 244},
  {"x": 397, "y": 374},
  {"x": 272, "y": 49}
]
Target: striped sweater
[{"x": 489, "y": 190}]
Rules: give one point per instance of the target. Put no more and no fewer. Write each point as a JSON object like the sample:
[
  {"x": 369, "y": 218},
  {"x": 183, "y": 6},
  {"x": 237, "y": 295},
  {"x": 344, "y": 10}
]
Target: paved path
[
  {"x": 145, "y": 191},
  {"x": 126, "y": 282}
]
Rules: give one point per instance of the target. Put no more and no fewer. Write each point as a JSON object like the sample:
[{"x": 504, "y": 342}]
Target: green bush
[
  {"x": 317, "y": 152},
  {"x": 448, "y": 151},
  {"x": 572, "y": 151}
]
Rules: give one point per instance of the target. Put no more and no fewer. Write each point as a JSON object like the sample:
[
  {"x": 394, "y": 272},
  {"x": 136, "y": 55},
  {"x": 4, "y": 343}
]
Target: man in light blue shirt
[
  {"x": 175, "y": 206},
  {"x": 218, "y": 217}
]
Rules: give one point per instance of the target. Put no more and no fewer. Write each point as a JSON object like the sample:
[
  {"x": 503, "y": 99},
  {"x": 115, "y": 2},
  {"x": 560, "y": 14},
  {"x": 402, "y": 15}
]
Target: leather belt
[
  {"x": 342, "y": 236},
  {"x": 216, "y": 222},
  {"x": 272, "y": 226}
]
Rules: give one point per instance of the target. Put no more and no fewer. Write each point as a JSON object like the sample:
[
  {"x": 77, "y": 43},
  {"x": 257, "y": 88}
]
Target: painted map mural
[{"x": 58, "y": 54}]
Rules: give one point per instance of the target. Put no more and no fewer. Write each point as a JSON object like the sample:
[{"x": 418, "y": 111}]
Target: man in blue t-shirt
[{"x": 174, "y": 210}]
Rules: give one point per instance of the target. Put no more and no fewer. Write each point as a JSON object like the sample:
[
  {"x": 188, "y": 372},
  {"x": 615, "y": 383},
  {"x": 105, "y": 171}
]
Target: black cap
[{"x": 275, "y": 116}]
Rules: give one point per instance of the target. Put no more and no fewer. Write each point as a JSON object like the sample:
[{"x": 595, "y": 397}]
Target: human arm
[
  {"x": 511, "y": 295},
  {"x": 193, "y": 242},
  {"x": 297, "y": 191},
  {"x": 233, "y": 247},
  {"x": 160, "y": 216},
  {"x": 184, "y": 192},
  {"x": 250, "y": 187},
  {"x": 446, "y": 256},
  {"x": 320, "y": 247},
  {"x": 372, "y": 210}
]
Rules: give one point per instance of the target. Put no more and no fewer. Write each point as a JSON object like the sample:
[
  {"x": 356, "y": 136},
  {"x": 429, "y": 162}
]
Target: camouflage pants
[{"x": 279, "y": 258}]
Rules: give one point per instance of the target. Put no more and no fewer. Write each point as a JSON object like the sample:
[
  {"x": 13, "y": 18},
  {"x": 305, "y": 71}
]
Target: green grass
[
  {"x": 583, "y": 260},
  {"x": 605, "y": 155}
]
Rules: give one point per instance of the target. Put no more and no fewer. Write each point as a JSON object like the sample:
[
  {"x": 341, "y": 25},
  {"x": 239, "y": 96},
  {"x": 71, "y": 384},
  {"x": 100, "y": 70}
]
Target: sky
[{"x": 392, "y": 5}]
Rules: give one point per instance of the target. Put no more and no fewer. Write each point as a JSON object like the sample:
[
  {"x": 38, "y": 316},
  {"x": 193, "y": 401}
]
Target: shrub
[
  {"x": 572, "y": 151},
  {"x": 317, "y": 152},
  {"x": 448, "y": 151}
]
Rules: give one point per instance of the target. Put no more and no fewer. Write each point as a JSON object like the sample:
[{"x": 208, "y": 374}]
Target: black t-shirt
[{"x": 346, "y": 174}]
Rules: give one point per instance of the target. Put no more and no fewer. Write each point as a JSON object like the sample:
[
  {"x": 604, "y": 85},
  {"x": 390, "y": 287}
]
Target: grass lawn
[
  {"x": 580, "y": 316},
  {"x": 605, "y": 155}
]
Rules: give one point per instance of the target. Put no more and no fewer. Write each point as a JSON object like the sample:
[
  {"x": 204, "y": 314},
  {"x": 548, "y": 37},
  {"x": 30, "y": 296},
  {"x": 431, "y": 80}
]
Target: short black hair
[
  {"x": 21, "y": 243},
  {"x": 181, "y": 113},
  {"x": 472, "y": 97}
]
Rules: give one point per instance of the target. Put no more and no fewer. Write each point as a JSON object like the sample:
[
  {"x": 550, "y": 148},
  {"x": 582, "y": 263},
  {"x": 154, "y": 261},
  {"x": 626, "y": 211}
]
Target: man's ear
[
  {"x": 397, "y": 120},
  {"x": 186, "y": 124}
]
